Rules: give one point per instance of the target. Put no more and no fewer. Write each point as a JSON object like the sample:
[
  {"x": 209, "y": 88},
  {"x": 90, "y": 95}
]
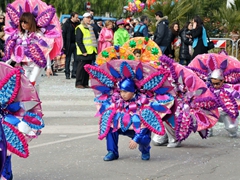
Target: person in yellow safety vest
[{"x": 86, "y": 44}]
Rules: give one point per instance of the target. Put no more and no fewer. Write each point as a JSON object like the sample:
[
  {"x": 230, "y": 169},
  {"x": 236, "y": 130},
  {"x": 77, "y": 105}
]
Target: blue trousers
[
  {"x": 7, "y": 169},
  {"x": 143, "y": 139}
]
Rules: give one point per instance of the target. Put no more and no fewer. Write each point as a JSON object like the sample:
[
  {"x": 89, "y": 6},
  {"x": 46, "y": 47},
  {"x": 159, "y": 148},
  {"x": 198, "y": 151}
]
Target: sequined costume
[
  {"x": 137, "y": 117},
  {"x": 194, "y": 108},
  {"x": 225, "y": 68},
  {"x": 21, "y": 113},
  {"x": 36, "y": 49}
]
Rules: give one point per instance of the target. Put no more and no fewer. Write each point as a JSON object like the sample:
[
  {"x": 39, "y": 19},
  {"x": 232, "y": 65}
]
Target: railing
[
  {"x": 237, "y": 48},
  {"x": 222, "y": 44}
]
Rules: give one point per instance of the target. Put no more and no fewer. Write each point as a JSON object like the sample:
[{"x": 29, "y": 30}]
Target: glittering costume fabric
[
  {"x": 194, "y": 107},
  {"x": 21, "y": 113},
  {"x": 226, "y": 68}
]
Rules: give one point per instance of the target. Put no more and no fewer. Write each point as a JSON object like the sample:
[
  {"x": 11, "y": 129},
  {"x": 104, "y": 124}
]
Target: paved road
[{"x": 68, "y": 148}]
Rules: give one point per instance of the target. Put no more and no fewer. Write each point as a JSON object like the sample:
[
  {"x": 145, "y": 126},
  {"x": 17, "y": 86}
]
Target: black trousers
[
  {"x": 82, "y": 77},
  {"x": 68, "y": 60}
]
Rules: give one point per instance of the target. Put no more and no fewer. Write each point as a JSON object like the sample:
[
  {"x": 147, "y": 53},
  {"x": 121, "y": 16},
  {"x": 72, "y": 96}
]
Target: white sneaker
[
  {"x": 174, "y": 144},
  {"x": 210, "y": 132},
  {"x": 233, "y": 135},
  {"x": 160, "y": 140}
]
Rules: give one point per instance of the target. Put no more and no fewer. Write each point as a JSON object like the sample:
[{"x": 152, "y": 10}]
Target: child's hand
[{"x": 132, "y": 144}]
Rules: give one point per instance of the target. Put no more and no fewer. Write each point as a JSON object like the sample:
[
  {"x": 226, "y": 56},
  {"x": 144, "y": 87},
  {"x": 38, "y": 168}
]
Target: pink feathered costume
[{"x": 34, "y": 49}]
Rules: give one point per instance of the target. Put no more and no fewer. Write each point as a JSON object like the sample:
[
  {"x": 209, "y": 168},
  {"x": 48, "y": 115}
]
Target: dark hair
[
  {"x": 198, "y": 20},
  {"x": 137, "y": 51},
  {"x": 159, "y": 13},
  {"x": 73, "y": 14},
  {"x": 186, "y": 24},
  {"x": 172, "y": 28},
  {"x": 28, "y": 18},
  {"x": 143, "y": 18}
]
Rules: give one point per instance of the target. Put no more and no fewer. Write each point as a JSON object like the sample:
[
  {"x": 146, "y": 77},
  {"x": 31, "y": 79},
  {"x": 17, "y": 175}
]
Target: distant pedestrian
[
  {"x": 186, "y": 42},
  {"x": 86, "y": 50},
  {"x": 199, "y": 36},
  {"x": 2, "y": 22},
  {"x": 1, "y": 45},
  {"x": 106, "y": 36},
  {"x": 121, "y": 34},
  {"x": 141, "y": 29},
  {"x": 161, "y": 33},
  {"x": 69, "y": 46},
  {"x": 172, "y": 35}
]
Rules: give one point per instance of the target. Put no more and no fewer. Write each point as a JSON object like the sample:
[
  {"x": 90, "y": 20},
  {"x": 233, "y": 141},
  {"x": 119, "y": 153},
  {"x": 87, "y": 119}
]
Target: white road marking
[{"x": 63, "y": 140}]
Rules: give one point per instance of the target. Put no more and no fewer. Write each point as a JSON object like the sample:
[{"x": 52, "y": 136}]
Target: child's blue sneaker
[
  {"x": 146, "y": 156},
  {"x": 110, "y": 156}
]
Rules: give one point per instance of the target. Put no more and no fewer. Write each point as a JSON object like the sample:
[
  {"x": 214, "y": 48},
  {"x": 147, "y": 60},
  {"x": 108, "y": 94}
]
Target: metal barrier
[
  {"x": 222, "y": 43},
  {"x": 237, "y": 48}
]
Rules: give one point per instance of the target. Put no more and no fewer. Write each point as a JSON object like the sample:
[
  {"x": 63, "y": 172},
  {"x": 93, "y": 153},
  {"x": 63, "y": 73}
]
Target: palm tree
[{"x": 229, "y": 17}]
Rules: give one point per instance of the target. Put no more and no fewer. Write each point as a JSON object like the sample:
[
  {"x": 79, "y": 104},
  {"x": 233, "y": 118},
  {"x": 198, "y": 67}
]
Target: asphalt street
[{"x": 68, "y": 148}]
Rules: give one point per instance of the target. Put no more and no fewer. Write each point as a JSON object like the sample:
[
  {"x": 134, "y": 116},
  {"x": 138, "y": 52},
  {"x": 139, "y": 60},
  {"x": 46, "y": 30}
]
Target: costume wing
[
  {"x": 100, "y": 75},
  {"x": 105, "y": 122},
  {"x": 16, "y": 142},
  {"x": 9, "y": 48},
  {"x": 152, "y": 121},
  {"x": 204, "y": 64},
  {"x": 20, "y": 109},
  {"x": 36, "y": 54},
  {"x": 228, "y": 103},
  {"x": 188, "y": 117}
]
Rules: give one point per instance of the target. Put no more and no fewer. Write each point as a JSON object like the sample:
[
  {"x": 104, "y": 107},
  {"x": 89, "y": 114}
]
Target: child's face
[
  {"x": 217, "y": 83},
  {"x": 138, "y": 56},
  {"x": 126, "y": 95},
  {"x": 25, "y": 25}
]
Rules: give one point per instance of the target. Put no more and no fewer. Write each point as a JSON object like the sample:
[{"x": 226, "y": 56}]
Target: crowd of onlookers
[{"x": 192, "y": 38}]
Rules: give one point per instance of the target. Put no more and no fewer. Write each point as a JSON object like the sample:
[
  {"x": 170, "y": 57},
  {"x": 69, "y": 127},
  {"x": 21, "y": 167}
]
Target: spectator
[
  {"x": 234, "y": 35},
  {"x": 172, "y": 35},
  {"x": 86, "y": 50},
  {"x": 129, "y": 30},
  {"x": 97, "y": 27},
  {"x": 69, "y": 46},
  {"x": 121, "y": 35},
  {"x": 2, "y": 22},
  {"x": 199, "y": 36},
  {"x": 161, "y": 33},
  {"x": 141, "y": 30},
  {"x": 186, "y": 42},
  {"x": 106, "y": 36},
  {"x": 1, "y": 45}
]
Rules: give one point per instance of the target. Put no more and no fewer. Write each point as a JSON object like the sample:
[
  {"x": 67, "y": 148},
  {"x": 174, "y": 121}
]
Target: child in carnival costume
[
  {"x": 194, "y": 107},
  {"x": 21, "y": 113},
  {"x": 33, "y": 36},
  {"x": 222, "y": 75},
  {"x": 134, "y": 98}
]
